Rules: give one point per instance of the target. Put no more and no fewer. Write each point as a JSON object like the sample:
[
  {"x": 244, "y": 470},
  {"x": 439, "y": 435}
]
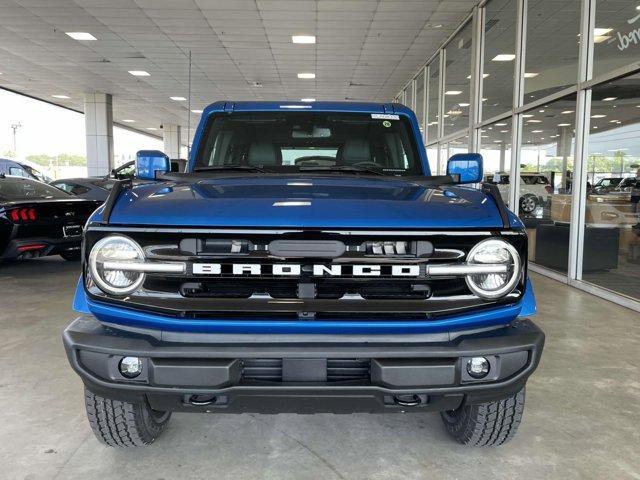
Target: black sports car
[{"x": 38, "y": 220}]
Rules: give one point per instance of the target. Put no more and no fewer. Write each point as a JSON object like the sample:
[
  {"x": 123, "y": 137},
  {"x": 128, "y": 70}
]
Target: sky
[{"x": 51, "y": 130}]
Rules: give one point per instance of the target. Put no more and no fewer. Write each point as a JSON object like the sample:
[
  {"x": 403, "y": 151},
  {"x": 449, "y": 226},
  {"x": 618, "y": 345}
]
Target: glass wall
[
  {"x": 551, "y": 59},
  {"x": 433, "y": 88},
  {"x": 545, "y": 183},
  {"x": 611, "y": 252},
  {"x": 495, "y": 141},
  {"x": 419, "y": 110},
  {"x": 457, "y": 81},
  {"x": 578, "y": 152},
  {"x": 500, "y": 37}
]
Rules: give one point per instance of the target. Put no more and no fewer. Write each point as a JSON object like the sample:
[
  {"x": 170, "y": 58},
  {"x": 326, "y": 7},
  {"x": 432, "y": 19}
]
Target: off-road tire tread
[
  {"x": 121, "y": 424},
  {"x": 487, "y": 424}
]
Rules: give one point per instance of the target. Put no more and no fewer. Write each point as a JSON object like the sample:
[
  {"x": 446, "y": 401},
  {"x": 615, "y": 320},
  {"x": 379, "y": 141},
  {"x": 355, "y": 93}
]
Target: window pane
[
  {"x": 420, "y": 101},
  {"x": 552, "y": 46},
  {"x": 500, "y": 36},
  {"x": 434, "y": 98},
  {"x": 545, "y": 181},
  {"x": 432, "y": 156},
  {"x": 616, "y": 35},
  {"x": 611, "y": 255},
  {"x": 495, "y": 140},
  {"x": 459, "y": 145},
  {"x": 457, "y": 81},
  {"x": 408, "y": 95}
]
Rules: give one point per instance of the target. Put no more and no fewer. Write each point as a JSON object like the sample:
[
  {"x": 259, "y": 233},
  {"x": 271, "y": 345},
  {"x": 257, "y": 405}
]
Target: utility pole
[{"x": 15, "y": 128}]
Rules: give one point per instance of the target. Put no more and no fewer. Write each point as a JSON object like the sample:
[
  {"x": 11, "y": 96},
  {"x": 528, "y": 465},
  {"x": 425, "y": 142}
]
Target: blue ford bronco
[{"x": 306, "y": 261}]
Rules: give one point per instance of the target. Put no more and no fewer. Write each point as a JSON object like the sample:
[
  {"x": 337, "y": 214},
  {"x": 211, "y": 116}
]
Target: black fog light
[
  {"x": 478, "y": 367},
  {"x": 130, "y": 367}
]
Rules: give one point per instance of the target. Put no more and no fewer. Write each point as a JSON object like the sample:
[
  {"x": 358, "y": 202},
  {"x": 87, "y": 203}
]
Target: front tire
[
  {"x": 124, "y": 424},
  {"x": 486, "y": 424}
]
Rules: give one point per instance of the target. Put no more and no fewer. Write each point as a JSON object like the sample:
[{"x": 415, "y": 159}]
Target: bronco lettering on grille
[{"x": 295, "y": 269}]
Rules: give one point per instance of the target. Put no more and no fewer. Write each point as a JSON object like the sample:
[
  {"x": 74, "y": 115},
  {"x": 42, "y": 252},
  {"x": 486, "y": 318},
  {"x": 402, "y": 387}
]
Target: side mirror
[
  {"x": 467, "y": 165},
  {"x": 150, "y": 162}
]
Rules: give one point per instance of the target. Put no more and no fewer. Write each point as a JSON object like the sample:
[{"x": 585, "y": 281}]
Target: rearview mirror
[
  {"x": 151, "y": 162},
  {"x": 467, "y": 165}
]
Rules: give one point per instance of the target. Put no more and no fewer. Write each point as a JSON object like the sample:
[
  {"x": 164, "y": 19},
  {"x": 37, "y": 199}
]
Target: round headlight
[
  {"x": 494, "y": 252},
  {"x": 114, "y": 249}
]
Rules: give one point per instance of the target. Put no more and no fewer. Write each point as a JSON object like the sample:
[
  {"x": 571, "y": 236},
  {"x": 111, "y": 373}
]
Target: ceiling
[{"x": 241, "y": 50}]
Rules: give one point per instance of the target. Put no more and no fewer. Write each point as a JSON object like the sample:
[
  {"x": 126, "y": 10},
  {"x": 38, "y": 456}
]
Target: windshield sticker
[
  {"x": 385, "y": 116},
  {"x": 386, "y": 123}
]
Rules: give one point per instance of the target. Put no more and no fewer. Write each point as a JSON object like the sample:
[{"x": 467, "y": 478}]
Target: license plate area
[{"x": 71, "y": 231}]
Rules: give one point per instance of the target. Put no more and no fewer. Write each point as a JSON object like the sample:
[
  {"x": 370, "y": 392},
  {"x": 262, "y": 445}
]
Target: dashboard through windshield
[{"x": 290, "y": 142}]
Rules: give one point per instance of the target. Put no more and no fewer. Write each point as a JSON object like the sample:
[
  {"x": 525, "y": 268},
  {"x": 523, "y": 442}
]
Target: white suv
[{"x": 534, "y": 188}]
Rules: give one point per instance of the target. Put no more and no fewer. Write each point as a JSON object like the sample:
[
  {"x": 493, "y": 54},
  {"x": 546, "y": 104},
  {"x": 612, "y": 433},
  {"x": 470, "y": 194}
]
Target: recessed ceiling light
[
  {"x": 599, "y": 115},
  {"x": 307, "y": 75},
  {"x": 564, "y": 124},
  {"x": 453, "y": 92},
  {"x": 530, "y": 74},
  {"x": 484, "y": 75},
  {"x": 128, "y": 120},
  {"x": 63, "y": 97},
  {"x": 139, "y": 73},
  {"x": 527, "y": 115},
  {"x": 303, "y": 38},
  {"x": 196, "y": 111},
  {"x": 615, "y": 121},
  {"x": 504, "y": 131},
  {"x": 463, "y": 104},
  {"x": 152, "y": 128},
  {"x": 566, "y": 111},
  {"x": 501, "y": 124},
  {"x": 497, "y": 141},
  {"x": 534, "y": 121},
  {"x": 178, "y": 99},
  {"x": 307, "y": 99},
  {"x": 503, "y": 57},
  {"x": 81, "y": 35},
  {"x": 541, "y": 110},
  {"x": 537, "y": 131},
  {"x": 609, "y": 99},
  {"x": 601, "y": 31}
]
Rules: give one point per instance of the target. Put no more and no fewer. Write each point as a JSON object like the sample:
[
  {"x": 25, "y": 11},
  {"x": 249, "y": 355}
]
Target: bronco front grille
[{"x": 235, "y": 275}]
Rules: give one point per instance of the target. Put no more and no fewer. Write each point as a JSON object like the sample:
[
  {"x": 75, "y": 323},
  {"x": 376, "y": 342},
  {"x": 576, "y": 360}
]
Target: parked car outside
[{"x": 88, "y": 188}]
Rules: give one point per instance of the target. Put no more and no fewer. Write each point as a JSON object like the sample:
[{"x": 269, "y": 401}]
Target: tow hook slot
[
  {"x": 202, "y": 400},
  {"x": 409, "y": 400}
]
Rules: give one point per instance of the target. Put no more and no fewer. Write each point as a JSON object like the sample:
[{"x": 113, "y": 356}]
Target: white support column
[
  {"x": 98, "y": 121},
  {"x": 171, "y": 137}
]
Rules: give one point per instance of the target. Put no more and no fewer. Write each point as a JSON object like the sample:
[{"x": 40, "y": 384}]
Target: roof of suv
[{"x": 355, "y": 107}]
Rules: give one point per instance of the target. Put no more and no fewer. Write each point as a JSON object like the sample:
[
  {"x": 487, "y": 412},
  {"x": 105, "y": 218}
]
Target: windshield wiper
[
  {"x": 214, "y": 168},
  {"x": 343, "y": 168}
]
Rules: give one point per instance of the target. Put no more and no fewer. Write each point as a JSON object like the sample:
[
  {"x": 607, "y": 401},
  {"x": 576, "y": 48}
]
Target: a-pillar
[
  {"x": 171, "y": 137},
  {"x": 98, "y": 120}
]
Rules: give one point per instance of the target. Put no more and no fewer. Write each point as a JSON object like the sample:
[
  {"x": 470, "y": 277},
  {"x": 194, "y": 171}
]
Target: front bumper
[{"x": 216, "y": 372}]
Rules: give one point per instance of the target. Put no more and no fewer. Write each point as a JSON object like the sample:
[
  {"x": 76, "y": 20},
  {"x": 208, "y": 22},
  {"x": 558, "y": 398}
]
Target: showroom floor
[{"x": 581, "y": 420}]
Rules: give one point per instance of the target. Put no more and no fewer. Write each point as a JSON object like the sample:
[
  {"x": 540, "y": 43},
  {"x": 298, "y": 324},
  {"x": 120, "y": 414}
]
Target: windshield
[
  {"x": 37, "y": 174},
  {"x": 288, "y": 142},
  {"x": 13, "y": 189}
]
